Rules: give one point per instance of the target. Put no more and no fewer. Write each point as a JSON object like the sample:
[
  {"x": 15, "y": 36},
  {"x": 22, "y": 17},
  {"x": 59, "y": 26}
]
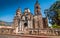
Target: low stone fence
[
  {"x": 27, "y": 36},
  {"x": 49, "y": 32},
  {"x": 40, "y": 32}
]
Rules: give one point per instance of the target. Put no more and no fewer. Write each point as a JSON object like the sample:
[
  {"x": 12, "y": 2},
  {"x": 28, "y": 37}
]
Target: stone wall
[{"x": 6, "y": 31}]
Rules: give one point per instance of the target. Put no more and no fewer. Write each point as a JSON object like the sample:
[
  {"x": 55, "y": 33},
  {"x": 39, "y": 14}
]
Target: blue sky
[{"x": 8, "y": 7}]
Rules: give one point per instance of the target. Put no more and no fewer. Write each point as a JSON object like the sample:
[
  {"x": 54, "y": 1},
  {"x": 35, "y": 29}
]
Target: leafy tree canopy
[{"x": 53, "y": 13}]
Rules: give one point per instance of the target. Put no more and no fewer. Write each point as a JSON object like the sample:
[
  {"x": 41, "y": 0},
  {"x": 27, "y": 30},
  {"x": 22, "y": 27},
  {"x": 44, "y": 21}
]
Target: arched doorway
[{"x": 25, "y": 24}]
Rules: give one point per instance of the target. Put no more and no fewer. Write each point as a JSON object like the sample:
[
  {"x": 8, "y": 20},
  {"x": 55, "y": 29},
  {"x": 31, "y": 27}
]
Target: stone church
[{"x": 27, "y": 22}]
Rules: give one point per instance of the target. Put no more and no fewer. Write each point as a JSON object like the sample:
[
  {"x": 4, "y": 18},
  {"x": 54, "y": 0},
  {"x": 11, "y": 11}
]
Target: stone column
[
  {"x": 53, "y": 32},
  {"x": 20, "y": 26},
  {"x": 30, "y": 25},
  {"x": 16, "y": 30}
]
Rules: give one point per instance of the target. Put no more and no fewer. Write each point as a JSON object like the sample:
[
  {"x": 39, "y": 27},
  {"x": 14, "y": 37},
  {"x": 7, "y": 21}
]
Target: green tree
[
  {"x": 53, "y": 14},
  {"x": 55, "y": 26}
]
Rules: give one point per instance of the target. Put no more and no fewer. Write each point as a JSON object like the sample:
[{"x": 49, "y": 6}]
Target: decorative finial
[{"x": 36, "y": 1}]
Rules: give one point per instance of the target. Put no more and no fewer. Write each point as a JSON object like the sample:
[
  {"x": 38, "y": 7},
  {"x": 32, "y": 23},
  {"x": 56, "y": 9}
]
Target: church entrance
[{"x": 25, "y": 24}]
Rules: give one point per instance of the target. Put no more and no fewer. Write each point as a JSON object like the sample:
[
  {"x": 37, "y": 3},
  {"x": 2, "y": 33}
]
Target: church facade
[{"x": 27, "y": 22}]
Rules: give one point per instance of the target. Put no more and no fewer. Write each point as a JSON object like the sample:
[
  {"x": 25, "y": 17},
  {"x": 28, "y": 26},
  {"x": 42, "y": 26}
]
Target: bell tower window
[{"x": 36, "y": 7}]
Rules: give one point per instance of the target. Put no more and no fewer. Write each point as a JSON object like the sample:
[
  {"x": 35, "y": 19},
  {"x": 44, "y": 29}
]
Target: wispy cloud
[{"x": 7, "y": 18}]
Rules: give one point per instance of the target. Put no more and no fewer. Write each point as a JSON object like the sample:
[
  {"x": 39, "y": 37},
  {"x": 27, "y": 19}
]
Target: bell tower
[
  {"x": 37, "y": 8},
  {"x": 38, "y": 21},
  {"x": 16, "y": 21}
]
